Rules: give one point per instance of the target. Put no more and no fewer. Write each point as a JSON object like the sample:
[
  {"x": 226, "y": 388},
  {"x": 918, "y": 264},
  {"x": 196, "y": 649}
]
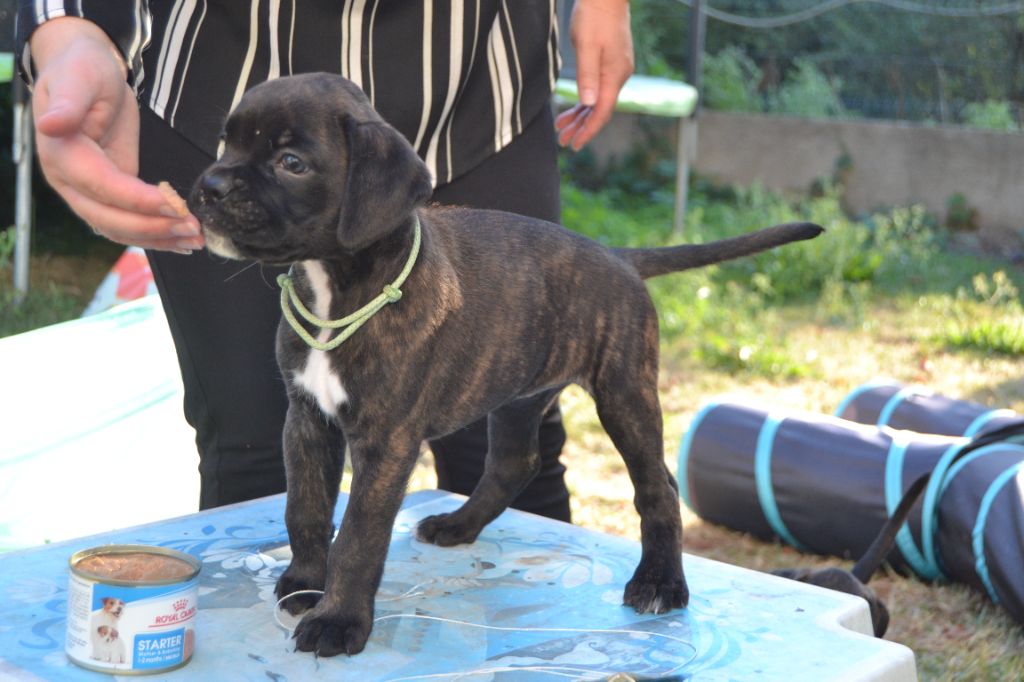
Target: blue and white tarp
[{"x": 94, "y": 437}]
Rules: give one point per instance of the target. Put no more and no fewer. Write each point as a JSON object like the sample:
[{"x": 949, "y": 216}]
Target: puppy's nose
[{"x": 217, "y": 184}]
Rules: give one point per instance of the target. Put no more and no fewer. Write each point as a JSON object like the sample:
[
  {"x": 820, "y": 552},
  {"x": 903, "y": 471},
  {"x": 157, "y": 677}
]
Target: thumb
[
  {"x": 588, "y": 73},
  {"x": 61, "y": 102}
]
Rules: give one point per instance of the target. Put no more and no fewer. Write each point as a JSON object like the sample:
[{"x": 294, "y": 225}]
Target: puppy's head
[
  {"x": 309, "y": 169},
  {"x": 113, "y": 606},
  {"x": 107, "y": 633}
]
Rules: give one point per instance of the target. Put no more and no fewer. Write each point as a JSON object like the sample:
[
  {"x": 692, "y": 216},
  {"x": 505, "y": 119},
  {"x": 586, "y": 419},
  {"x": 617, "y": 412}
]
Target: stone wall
[{"x": 884, "y": 163}]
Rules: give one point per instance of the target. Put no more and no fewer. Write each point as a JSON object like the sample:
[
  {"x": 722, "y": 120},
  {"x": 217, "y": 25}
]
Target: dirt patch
[{"x": 78, "y": 276}]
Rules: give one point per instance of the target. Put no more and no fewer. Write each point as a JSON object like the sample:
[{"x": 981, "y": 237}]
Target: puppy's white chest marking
[{"x": 316, "y": 377}]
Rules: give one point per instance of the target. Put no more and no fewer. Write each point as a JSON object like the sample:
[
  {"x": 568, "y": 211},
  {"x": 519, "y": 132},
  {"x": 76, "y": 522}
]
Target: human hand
[
  {"x": 87, "y": 137},
  {"x": 600, "y": 32}
]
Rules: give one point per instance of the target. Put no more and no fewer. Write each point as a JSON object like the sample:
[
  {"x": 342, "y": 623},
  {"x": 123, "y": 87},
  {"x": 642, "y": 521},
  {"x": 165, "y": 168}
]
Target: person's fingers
[
  {"x": 588, "y": 72},
  {"x": 591, "y": 122},
  {"x": 77, "y": 163},
  {"x": 568, "y": 116},
  {"x": 122, "y": 141},
  {"x": 573, "y": 122},
  {"x": 76, "y": 94},
  {"x": 60, "y": 111},
  {"x": 66, "y": 106},
  {"x": 126, "y": 227},
  {"x": 81, "y": 84}
]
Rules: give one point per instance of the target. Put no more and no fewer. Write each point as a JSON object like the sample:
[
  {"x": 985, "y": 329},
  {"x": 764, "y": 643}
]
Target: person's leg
[
  {"x": 223, "y": 316},
  {"x": 523, "y": 178}
]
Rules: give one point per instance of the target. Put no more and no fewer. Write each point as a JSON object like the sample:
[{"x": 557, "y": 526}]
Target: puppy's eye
[{"x": 292, "y": 164}]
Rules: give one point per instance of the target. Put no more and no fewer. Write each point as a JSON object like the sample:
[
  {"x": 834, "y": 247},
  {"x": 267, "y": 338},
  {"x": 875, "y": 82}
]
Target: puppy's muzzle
[
  {"x": 216, "y": 185},
  {"x": 208, "y": 202}
]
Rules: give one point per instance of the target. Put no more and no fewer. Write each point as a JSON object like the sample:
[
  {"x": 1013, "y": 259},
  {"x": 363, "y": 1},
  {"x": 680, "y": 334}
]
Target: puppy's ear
[{"x": 386, "y": 181}]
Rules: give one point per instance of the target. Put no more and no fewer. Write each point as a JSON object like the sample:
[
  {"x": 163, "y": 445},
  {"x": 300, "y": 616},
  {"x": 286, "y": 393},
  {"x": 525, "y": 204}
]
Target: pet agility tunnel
[
  {"x": 916, "y": 408},
  {"x": 827, "y": 485}
]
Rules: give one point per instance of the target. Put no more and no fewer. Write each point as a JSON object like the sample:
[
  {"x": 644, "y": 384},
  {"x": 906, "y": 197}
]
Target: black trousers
[{"x": 223, "y": 317}]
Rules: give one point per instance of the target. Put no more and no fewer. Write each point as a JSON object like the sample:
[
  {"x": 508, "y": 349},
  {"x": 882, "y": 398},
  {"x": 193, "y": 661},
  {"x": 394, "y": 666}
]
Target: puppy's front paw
[
  {"x": 328, "y": 635},
  {"x": 296, "y": 580},
  {"x": 445, "y": 530},
  {"x": 657, "y": 587}
]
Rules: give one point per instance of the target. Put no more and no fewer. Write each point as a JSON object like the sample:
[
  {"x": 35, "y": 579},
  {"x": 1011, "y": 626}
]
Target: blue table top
[{"x": 531, "y": 599}]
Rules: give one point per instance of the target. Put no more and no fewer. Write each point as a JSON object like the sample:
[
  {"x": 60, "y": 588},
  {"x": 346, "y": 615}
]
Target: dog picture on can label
[
  {"x": 104, "y": 636},
  {"x": 107, "y": 645},
  {"x": 404, "y": 322}
]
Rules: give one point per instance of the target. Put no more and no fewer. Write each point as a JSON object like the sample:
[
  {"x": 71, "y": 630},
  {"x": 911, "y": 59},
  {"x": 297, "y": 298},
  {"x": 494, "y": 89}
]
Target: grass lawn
[
  {"x": 60, "y": 286},
  {"x": 889, "y": 295}
]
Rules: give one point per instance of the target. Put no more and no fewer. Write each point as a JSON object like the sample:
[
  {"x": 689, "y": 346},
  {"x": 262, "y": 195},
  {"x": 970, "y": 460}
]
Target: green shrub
[
  {"x": 988, "y": 317},
  {"x": 41, "y": 306},
  {"x": 606, "y": 218},
  {"x": 990, "y": 114},
  {"x": 1004, "y": 336},
  {"x": 726, "y": 316},
  {"x": 38, "y": 308},
  {"x": 840, "y": 267},
  {"x": 808, "y": 92},
  {"x": 643, "y": 177},
  {"x": 730, "y": 80},
  {"x": 729, "y": 327},
  {"x": 8, "y": 239},
  {"x": 960, "y": 215}
]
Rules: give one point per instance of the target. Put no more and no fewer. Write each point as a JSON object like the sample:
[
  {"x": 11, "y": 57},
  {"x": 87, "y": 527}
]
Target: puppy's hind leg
[
  {"x": 314, "y": 456},
  {"x": 629, "y": 411},
  {"x": 513, "y": 459}
]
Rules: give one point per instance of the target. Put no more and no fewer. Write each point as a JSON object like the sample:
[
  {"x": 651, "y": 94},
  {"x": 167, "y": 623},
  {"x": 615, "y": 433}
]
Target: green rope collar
[{"x": 350, "y": 323}]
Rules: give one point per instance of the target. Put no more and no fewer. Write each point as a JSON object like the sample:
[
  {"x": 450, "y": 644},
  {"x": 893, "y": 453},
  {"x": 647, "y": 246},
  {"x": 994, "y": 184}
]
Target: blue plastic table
[{"x": 549, "y": 594}]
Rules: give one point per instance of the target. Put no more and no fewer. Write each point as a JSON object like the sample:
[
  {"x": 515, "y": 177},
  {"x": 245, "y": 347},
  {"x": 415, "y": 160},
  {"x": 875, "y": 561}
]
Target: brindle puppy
[{"x": 498, "y": 314}]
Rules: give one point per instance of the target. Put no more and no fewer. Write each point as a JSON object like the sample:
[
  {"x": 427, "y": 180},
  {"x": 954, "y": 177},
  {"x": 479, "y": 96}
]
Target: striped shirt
[{"x": 459, "y": 78}]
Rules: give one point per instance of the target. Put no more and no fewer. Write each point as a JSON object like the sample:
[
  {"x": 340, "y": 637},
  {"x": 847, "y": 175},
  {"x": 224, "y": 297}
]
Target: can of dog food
[{"x": 132, "y": 609}]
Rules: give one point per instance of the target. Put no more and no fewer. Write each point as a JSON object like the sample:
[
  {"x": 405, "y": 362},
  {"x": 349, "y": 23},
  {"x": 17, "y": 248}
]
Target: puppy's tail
[
  {"x": 662, "y": 261},
  {"x": 883, "y": 542}
]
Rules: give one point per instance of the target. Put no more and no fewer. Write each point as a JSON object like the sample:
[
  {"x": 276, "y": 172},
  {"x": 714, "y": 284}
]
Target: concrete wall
[{"x": 893, "y": 164}]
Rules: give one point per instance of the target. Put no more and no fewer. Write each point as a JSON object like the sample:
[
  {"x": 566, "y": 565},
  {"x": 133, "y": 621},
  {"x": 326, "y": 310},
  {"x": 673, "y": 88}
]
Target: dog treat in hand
[
  {"x": 173, "y": 199},
  {"x": 135, "y": 567}
]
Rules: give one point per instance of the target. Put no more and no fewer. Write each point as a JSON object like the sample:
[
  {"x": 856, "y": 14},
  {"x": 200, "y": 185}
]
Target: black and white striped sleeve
[{"x": 126, "y": 22}]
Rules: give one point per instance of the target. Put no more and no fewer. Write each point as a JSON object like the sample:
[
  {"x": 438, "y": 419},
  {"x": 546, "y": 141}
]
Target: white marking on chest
[{"x": 317, "y": 378}]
